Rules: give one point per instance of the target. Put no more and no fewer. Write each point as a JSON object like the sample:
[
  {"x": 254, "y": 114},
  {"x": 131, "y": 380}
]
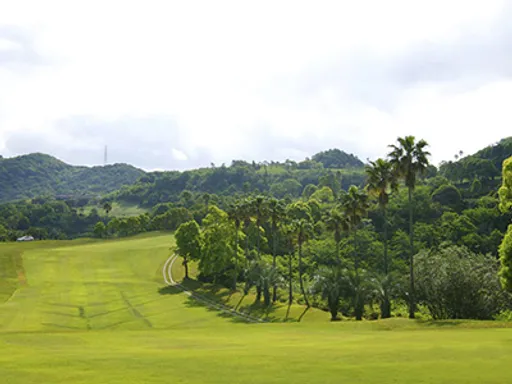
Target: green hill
[{"x": 38, "y": 174}]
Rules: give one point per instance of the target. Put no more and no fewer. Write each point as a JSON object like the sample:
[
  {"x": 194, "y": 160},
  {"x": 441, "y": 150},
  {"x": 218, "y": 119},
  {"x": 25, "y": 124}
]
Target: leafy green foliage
[{"x": 455, "y": 283}]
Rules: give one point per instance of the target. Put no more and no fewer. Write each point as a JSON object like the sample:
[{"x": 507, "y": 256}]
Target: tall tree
[
  {"x": 303, "y": 229},
  {"x": 245, "y": 207},
  {"x": 301, "y": 221},
  {"x": 189, "y": 243},
  {"x": 289, "y": 236},
  {"x": 355, "y": 205},
  {"x": 276, "y": 211},
  {"x": 382, "y": 181},
  {"x": 236, "y": 214},
  {"x": 337, "y": 222},
  {"x": 260, "y": 212},
  {"x": 409, "y": 159},
  {"x": 505, "y": 250}
]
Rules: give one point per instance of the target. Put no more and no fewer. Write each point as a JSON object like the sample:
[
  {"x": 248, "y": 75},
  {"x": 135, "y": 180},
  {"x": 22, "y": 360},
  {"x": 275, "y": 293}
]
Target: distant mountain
[
  {"x": 334, "y": 158},
  {"x": 38, "y": 174}
]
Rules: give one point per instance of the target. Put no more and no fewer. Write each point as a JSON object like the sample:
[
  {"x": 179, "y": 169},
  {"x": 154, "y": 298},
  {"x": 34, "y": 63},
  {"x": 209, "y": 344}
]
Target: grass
[
  {"x": 90, "y": 311},
  {"x": 118, "y": 210}
]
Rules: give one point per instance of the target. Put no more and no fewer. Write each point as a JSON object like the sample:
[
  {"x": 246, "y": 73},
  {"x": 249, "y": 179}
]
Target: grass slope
[
  {"x": 118, "y": 210},
  {"x": 91, "y": 311}
]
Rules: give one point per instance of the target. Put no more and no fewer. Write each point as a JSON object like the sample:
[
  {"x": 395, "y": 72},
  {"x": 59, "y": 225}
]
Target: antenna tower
[{"x": 105, "y": 160}]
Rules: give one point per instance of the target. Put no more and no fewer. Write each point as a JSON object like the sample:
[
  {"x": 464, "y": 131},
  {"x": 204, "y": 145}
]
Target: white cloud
[{"x": 264, "y": 80}]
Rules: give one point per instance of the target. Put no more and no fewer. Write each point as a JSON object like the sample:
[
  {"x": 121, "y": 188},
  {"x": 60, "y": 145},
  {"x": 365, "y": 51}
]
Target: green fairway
[{"x": 94, "y": 312}]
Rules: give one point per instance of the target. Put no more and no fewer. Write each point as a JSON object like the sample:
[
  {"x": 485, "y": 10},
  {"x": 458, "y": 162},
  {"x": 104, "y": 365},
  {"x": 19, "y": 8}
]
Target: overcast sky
[{"x": 181, "y": 84}]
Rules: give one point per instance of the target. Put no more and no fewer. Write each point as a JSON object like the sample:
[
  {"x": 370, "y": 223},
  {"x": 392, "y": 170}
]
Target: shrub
[{"x": 454, "y": 283}]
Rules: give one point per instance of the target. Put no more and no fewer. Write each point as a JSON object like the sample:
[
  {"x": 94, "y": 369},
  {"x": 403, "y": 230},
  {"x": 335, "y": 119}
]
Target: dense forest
[{"x": 37, "y": 175}]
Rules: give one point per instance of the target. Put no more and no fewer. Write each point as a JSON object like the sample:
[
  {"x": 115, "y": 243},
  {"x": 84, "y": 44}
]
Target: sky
[{"x": 183, "y": 84}]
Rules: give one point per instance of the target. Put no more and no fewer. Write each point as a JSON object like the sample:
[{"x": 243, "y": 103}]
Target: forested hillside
[
  {"x": 39, "y": 174},
  {"x": 461, "y": 209},
  {"x": 333, "y": 168}
]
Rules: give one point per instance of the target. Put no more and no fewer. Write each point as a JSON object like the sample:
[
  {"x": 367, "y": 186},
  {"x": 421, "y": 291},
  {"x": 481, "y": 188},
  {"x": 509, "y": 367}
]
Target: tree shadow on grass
[{"x": 223, "y": 301}]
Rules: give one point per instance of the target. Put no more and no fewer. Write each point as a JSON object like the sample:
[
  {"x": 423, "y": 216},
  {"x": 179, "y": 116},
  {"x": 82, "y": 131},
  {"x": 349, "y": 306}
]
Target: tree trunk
[
  {"x": 359, "y": 308},
  {"x": 290, "y": 279},
  {"x": 412, "y": 301},
  {"x": 356, "y": 255},
  {"x": 246, "y": 245},
  {"x": 185, "y": 264},
  {"x": 386, "y": 266},
  {"x": 337, "y": 240},
  {"x": 266, "y": 295},
  {"x": 258, "y": 293},
  {"x": 274, "y": 255},
  {"x": 386, "y": 304},
  {"x": 333, "y": 309},
  {"x": 259, "y": 237},
  {"x": 235, "y": 273},
  {"x": 301, "y": 282}
]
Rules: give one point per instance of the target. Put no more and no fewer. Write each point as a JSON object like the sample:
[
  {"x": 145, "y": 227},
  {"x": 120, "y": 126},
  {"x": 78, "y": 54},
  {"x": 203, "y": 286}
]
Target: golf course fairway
[{"x": 91, "y": 311}]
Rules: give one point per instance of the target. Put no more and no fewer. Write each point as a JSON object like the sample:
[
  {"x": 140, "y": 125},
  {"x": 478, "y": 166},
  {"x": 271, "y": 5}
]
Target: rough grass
[{"x": 92, "y": 312}]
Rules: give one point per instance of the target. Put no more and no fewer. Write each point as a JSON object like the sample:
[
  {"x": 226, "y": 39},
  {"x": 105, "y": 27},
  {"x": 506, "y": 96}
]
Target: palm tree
[
  {"x": 246, "y": 218},
  {"x": 259, "y": 208},
  {"x": 303, "y": 230},
  {"x": 289, "y": 236},
  {"x": 385, "y": 287},
  {"x": 382, "y": 181},
  {"x": 354, "y": 205},
  {"x": 358, "y": 288},
  {"x": 329, "y": 283},
  {"x": 409, "y": 158},
  {"x": 338, "y": 223},
  {"x": 236, "y": 214},
  {"x": 276, "y": 211}
]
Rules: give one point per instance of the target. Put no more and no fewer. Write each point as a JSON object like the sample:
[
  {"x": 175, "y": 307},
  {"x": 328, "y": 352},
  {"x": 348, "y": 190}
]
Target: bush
[{"x": 454, "y": 283}]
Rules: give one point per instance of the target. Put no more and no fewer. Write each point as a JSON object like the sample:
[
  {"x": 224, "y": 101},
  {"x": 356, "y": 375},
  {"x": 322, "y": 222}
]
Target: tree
[
  {"x": 505, "y": 192},
  {"x": 264, "y": 276},
  {"x": 100, "y": 229},
  {"x": 337, "y": 222},
  {"x": 260, "y": 211},
  {"x": 289, "y": 237},
  {"x": 409, "y": 159},
  {"x": 354, "y": 205},
  {"x": 329, "y": 284},
  {"x": 454, "y": 283},
  {"x": 276, "y": 212},
  {"x": 505, "y": 250},
  {"x": 303, "y": 230},
  {"x": 189, "y": 243},
  {"x": 107, "y": 207},
  {"x": 382, "y": 181},
  {"x": 206, "y": 198},
  {"x": 217, "y": 256},
  {"x": 236, "y": 214},
  {"x": 300, "y": 215},
  {"x": 357, "y": 289}
]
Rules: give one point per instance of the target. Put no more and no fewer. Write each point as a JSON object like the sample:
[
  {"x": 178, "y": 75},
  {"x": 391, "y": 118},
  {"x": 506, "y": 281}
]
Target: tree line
[{"x": 346, "y": 251}]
